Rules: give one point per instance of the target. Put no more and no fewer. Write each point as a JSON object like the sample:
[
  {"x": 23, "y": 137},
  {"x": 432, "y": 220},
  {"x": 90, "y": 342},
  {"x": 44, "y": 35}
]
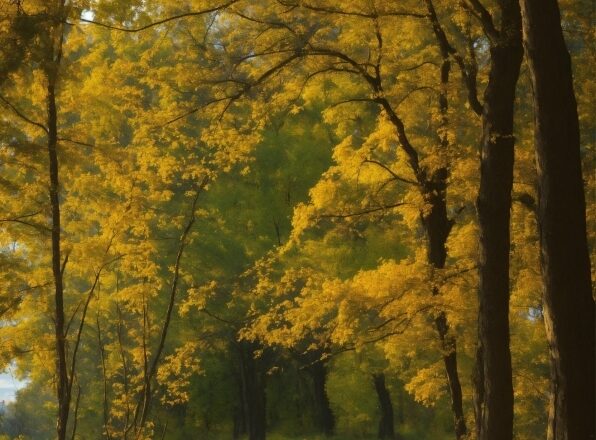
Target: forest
[{"x": 297, "y": 219}]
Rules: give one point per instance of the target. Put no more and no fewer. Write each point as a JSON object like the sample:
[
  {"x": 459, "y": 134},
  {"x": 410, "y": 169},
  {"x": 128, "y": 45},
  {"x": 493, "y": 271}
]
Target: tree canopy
[{"x": 296, "y": 219}]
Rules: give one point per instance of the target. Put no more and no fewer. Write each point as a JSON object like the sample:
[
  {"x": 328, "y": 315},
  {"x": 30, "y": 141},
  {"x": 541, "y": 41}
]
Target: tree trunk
[
  {"x": 568, "y": 301},
  {"x": 253, "y": 392},
  {"x": 62, "y": 386},
  {"x": 478, "y": 389},
  {"x": 493, "y": 206},
  {"x": 437, "y": 226},
  {"x": 324, "y": 418},
  {"x": 401, "y": 402},
  {"x": 238, "y": 413},
  {"x": 386, "y": 426}
]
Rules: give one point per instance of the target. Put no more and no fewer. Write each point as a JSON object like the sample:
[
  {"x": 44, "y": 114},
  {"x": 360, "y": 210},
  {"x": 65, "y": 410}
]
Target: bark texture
[
  {"x": 568, "y": 301},
  {"x": 52, "y": 47},
  {"x": 62, "y": 386},
  {"x": 493, "y": 206},
  {"x": 437, "y": 226}
]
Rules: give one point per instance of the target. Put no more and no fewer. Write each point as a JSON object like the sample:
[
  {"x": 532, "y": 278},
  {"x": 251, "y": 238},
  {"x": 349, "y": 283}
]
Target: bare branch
[
  {"x": 418, "y": 66},
  {"x": 218, "y": 318},
  {"x": 349, "y": 101},
  {"x": 76, "y": 413},
  {"x": 363, "y": 212},
  {"x": 19, "y": 220},
  {"x": 104, "y": 377},
  {"x": 483, "y": 15},
  {"x": 390, "y": 171},
  {"x": 374, "y": 15},
  {"x": 412, "y": 91},
  {"x": 273, "y": 24},
  {"x": 234, "y": 97},
  {"x": 404, "y": 142},
  {"x": 146, "y": 398},
  {"x": 468, "y": 72},
  {"x": 158, "y": 22},
  {"x": 124, "y": 365},
  {"x": 21, "y": 115},
  {"x": 84, "y": 315},
  {"x": 76, "y": 142}
]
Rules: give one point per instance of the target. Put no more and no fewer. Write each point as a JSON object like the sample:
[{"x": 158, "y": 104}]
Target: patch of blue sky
[{"x": 9, "y": 385}]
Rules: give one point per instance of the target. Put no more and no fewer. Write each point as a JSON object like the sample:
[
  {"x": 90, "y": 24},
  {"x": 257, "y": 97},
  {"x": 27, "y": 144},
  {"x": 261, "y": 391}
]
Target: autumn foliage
[{"x": 292, "y": 219}]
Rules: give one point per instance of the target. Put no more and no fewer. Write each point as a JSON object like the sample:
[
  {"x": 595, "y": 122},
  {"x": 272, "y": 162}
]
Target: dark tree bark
[
  {"x": 494, "y": 390},
  {"x": 401, "y": 416},
  {"x": 323, "y": 416},
  {"x": 143, "y": 406},
  {"x": 437, "y": 226},
  {"x": 426, "y": 180},
  {"x": 253, "y": 392},
  {"x": 568, "y": 301},
  {"x": 62, "y": 383},
  {"x": 238, "y": 414},
  {"x": 63, "y": 391},
  {"x": 386, "y": 425},
  {"x": 478, "y": 391},
  {"x": 493, "y": 206}
]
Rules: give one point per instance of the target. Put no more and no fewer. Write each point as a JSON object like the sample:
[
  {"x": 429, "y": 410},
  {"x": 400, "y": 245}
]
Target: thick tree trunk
[
  {"x": 493, "y": 206},
  {"x": 324, "y": 418},
  {"x": 568, "y": 301},
  {"x": 386, "y": 426},
  {"x": 253, "y": 392}
]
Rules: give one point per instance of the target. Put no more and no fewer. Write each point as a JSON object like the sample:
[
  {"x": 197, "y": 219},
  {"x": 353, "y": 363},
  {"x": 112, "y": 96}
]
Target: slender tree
[{"x": 53, "y": 50}]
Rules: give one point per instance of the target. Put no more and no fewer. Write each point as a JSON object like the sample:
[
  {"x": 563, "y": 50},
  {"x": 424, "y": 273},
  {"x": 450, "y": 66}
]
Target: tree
[
  {"x": 568, "y": 301},
  {"x": 342, "y": 59},
  {"x": 257, "y": 219},
  {"x": 494, "y": 410},
  {"x": 386, "y": 427},
  {"x": 49, "y": 52},
  {"x": 54, "y": 51}
]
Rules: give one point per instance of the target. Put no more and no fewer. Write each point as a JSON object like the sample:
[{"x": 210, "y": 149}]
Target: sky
[
  {"x": 87, "y": 15},
  {"x": 9, "y": 386}
]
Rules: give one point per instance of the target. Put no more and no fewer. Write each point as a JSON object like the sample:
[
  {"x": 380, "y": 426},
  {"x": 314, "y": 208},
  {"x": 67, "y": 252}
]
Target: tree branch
[
  {"x": 173, "y": 290},
  {"x": 158, "y": 22},
  {"x": 330, "y": 10},
  {"x": 21, "y": 115},
  {"x": 468, "y": 73},
  {"x": 483, "y": 15},
  {"x": 390, "y": 171},
  {"x": 364, "y": 212},
  {"x": 20, "y": 220}
]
